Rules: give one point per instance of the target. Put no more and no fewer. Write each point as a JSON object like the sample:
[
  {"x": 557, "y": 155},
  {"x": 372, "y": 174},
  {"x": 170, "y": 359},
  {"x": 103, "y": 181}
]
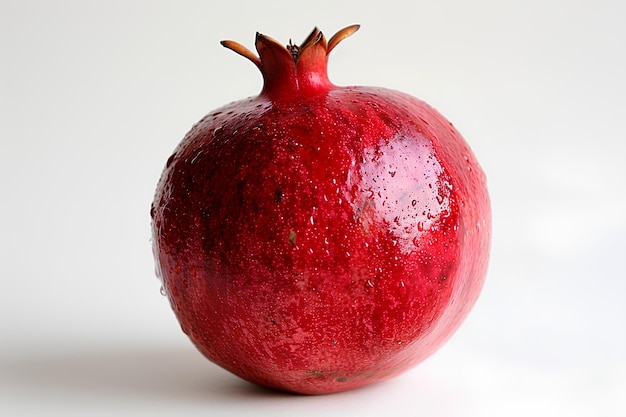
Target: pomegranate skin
[{"x": 316, "y": 241}]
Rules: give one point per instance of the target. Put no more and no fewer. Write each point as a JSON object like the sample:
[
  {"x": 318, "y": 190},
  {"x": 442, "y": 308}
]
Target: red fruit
[{"x": 318, "y": 238}]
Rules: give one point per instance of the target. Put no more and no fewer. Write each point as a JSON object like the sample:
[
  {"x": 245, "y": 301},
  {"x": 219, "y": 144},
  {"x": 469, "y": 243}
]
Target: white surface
[{"x": 95, "y": 95}]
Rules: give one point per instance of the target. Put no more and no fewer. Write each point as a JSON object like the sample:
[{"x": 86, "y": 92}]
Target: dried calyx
[{"x": 292, "y": 67}]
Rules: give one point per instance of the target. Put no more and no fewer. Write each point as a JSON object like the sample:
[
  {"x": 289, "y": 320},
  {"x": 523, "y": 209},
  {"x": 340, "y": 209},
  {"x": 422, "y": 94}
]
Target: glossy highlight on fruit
[{"x": 318, "y": 238}]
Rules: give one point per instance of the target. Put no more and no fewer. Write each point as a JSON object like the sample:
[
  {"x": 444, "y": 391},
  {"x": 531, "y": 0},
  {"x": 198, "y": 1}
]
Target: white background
[{"x": 95, "y": 95}]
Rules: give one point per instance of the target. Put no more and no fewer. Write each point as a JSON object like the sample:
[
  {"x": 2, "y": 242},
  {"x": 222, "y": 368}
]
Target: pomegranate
[{"x": 317, "y": 238}]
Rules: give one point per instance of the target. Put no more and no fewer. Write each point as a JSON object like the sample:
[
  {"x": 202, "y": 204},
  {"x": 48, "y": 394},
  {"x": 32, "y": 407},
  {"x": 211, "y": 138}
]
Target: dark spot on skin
[
  {"x": 342, "y": 379},
  {"x": 278, "y": 195},
  {"x": 318, "y": 373},
  {"x": 292, "y": 237}
]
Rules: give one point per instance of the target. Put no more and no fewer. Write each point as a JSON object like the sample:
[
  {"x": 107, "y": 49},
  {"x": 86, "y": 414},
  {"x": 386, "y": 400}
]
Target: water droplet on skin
[
  {"x": 162, "y": 291},
  {"x": 195, "y": 158},
  {"x": 414, "y": 203},
  {"x": 170, "y": 160}
]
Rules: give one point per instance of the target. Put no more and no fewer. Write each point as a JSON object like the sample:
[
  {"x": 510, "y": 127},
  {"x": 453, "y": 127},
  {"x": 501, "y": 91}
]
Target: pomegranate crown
[{"x": 292, "y": 68}]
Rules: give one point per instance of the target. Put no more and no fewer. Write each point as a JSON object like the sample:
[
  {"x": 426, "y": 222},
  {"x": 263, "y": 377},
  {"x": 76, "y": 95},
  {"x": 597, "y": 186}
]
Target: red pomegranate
[{"x": 317, "y": 238}]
